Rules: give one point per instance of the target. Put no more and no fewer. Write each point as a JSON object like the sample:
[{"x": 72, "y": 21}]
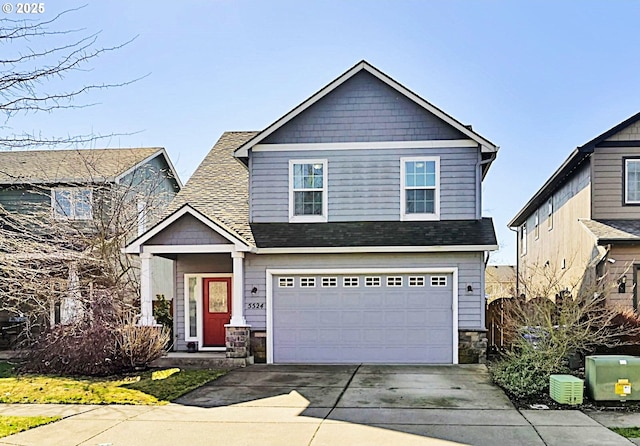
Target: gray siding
[
  {"x": 187, "y": 230},
  {"x": 194, "y": 263},
  {"x": 470, "y": 272},
  {"x": 24, "y": 199},
  {"x": 608, "y": 183},
  {"x": 363, "y": 109},
  {"x": 363, "y": 185}
]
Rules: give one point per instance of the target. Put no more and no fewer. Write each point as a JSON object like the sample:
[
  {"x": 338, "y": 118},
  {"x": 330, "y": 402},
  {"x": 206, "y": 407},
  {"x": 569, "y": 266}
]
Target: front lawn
[
  {"x": 147, "y": 388},
  {"x": 10, "y": 425},
  {"x": 627, "y": 432}
]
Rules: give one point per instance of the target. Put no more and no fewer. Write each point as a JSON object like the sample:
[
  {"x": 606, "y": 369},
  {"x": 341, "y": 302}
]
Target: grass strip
[
  {"x": 627, "y": 432},
  {"x": 10, "y": 425}
]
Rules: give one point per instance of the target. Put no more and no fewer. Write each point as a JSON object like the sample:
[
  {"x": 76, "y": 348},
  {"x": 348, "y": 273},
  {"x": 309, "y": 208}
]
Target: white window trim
[
  {"x": 403, "y": 190},
  {"x": 325, "y": 198},
  {"x": 626, "y": 180},
  {"x": 270, "y": 273},
  {"x": 523, "y": 239},
  {"x": 71, "y": 191},
  {"x": 536, "y": 224},
  {"x": 199, "y": 309}
]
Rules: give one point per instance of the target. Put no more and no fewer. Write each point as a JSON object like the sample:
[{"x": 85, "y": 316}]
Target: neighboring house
[
  {"x": 584, "y": 223},
  {"x": 500, "y": 281},
  {"x": 347, "y": 231},
  {"x": 79, "y": 186}
]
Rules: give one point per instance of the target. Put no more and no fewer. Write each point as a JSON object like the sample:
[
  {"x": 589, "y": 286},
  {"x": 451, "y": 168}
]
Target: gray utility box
[{"x": 613, "y": 377}]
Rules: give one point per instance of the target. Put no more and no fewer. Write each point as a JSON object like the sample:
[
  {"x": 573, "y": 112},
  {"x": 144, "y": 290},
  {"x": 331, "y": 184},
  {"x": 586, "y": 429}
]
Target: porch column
[
  {"x": 237, "y": 296},
  {"x": 146, "y": 299}
]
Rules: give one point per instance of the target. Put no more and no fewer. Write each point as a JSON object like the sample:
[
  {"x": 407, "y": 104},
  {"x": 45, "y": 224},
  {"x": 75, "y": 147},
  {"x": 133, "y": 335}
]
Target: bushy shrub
[
  {"x": 525, "y": 372},
  {"x": 104, "y": 341}
]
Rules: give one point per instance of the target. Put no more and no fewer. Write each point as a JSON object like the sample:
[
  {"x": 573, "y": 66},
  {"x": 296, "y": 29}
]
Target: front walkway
[{"x": 323, "y": 405}]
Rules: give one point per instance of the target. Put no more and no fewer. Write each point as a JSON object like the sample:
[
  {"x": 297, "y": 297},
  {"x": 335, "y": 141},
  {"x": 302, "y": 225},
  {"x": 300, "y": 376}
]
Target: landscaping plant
[{"x": 546, "y": 331}]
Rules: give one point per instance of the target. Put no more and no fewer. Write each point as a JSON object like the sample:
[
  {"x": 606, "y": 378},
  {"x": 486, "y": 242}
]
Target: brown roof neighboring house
[
  {"x": 77, "y": 165},
  {"x": 500, "y": 281}
]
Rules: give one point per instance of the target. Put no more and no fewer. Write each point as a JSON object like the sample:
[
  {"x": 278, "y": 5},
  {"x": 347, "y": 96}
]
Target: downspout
[
  {"x": 480, "y": 163},
  {"x": 517, "y": 262}
]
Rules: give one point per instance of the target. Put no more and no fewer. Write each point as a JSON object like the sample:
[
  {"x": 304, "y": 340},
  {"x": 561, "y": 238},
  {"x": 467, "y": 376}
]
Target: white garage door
[{"x": 377, "y": 318}]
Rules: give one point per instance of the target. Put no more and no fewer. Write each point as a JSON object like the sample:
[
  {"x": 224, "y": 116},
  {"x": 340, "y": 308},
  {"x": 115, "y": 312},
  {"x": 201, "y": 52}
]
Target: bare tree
[
  {"x": 35, "y": 57},
  {"x": 54, "y": 267}
]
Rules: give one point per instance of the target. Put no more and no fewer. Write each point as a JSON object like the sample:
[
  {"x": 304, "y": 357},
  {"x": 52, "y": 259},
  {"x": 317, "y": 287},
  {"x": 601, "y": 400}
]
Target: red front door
[{"x": 216, "y": 310}]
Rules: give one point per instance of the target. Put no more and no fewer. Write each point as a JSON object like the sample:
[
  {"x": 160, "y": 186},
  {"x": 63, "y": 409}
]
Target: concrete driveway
[{"x": 329, "y": 405}]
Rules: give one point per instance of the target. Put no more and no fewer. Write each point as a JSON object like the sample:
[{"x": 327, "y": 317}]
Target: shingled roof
[
  {"x": 614, "y": 231},
  {"x": 219, "y": 188},
  {"x": 375, "y": 234},
  {"x": 69, "y": 166}
]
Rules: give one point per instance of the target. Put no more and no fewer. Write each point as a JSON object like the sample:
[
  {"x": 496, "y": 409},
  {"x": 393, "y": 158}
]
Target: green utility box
[
  {"x": 613, "y": 377},
  {"x": 566, "y": 389}
]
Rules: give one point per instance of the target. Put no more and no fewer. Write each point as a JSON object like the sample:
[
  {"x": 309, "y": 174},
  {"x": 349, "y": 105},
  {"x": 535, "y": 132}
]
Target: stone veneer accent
[
  {"x": 237, "y": 342},
  {"x": 472, "y": 346}
]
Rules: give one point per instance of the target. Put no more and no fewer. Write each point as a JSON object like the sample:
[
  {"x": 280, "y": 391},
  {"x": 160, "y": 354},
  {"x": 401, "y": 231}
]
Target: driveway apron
[{"x": 318, "y": 405}]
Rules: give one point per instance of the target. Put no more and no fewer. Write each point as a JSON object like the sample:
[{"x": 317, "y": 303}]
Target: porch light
[{"x": 254, "y": 290}]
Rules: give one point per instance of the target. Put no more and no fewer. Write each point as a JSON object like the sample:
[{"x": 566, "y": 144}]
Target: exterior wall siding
[
  {"x": 608, "y": 181},
  {"x": 363, "y": 185},
  {"x": 24, "y": 199},
  {"x": 568, "y": 247},
  {"x": 187, "y": 230},
  {"x": 470, "y": 272},
  {"x": 626, "y": 257},
  {"x": 363, "y": 109}
]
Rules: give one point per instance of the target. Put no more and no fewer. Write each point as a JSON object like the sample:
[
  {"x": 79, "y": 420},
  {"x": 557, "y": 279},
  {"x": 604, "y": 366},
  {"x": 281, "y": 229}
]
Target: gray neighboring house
[
  {"x": 347, "y": 231},
  {"x": 68, "y": 181}
]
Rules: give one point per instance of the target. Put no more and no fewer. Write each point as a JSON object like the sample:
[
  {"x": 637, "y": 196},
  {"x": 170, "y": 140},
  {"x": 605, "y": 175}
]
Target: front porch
[{"x": 209, "y": 290}]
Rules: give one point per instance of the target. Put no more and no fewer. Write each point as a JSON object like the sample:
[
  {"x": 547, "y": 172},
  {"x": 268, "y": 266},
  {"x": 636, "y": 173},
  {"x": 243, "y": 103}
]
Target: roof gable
[
  {"x": 202, "y": 222},
  {"x": 363, "y": 109},
  {"x": 75, "y": 166},
  {"x": 619, "y": 135},
  {"x": 487, "y": 146}
]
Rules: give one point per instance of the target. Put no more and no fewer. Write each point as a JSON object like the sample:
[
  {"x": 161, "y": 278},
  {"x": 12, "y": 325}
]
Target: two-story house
[
  {"x": 347, "y": 231},
  {"x": 584, "y": 222},
  {"x": 55, "y": 198}
]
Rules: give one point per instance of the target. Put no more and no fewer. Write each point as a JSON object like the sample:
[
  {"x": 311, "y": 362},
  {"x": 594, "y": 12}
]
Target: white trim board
[
  {"x": 431, "y": 144},
  {"x": 362, "y": 249},
  {"x": 486, "y": 145},
  {"x": 270, "y": 272}
]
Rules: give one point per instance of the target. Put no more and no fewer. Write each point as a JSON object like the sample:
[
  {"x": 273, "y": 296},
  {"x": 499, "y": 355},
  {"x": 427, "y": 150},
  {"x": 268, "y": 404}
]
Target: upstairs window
[
  {"x": 523, "y": 239},
  {"x": 73, "y": 203},
  {"x": 632, "y": 181},
  {"x": 308, "y": 190},
  {"x": 419, "y": 194},
  {"x": 550, "y": 214},
  {"x": 536, "y": 225}
]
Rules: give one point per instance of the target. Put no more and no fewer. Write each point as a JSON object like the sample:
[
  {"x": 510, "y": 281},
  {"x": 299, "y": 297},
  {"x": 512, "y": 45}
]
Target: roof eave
[{"x": 572, "y": 162}]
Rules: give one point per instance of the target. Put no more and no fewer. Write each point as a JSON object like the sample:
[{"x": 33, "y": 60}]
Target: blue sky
[{"x": 538, "y": 78}]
